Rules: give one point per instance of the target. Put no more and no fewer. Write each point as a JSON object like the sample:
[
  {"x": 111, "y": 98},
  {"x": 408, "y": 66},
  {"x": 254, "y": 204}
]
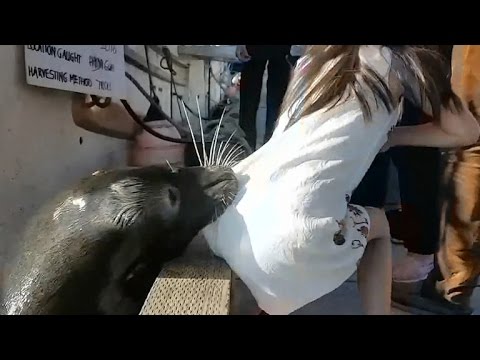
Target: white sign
[{"x": 89, "y": 69}]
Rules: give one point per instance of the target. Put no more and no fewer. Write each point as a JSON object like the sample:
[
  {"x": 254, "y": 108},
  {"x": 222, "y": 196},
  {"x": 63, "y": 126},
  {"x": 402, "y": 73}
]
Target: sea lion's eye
[
  {"x": 171, "y": 204},
  {"x": 173, "y": 196}
]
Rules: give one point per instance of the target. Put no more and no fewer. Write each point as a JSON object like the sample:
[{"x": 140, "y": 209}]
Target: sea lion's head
[
  {"x": 174, "y": 202},
  {"x": 112, "y": 233},
  {"x": 191, "y": 198}
]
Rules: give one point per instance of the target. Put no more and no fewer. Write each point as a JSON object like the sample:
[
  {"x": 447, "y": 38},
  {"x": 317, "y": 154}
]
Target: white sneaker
[{"x": 412, "y": 268}]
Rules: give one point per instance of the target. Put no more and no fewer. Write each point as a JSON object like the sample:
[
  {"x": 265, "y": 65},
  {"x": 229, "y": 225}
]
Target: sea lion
[{"x": 98, "y": 247}]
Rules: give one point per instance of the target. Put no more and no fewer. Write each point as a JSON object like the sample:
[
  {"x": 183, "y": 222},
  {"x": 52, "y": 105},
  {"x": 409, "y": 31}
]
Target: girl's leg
[{"x": 375, "y": 268}]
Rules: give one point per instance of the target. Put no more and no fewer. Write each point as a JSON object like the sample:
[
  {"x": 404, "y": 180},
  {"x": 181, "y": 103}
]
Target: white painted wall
[{"x": 40, "y": 150}]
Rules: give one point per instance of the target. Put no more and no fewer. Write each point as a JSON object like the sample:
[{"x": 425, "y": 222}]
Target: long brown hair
[{"x": 314, "y": 87}]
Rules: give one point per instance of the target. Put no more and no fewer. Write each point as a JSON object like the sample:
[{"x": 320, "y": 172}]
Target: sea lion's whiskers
[
  {"x": 191, "y": 132},
  {"x": 232, "y": 163},
  {"x": 228, "y": 154},
  {"x": 205, "y": 158},
  {"x": 218, "y": 153},
  {"x": 234, "y": 160},
  {"x": 234, "y": 155},
  {"x": 232, "y": 150},
  {"x": 223, "y": 145},
  {"x": 226, "y": 145},
  {"x": 168, "y": 163},
  {"x": 215, "y": 137}
]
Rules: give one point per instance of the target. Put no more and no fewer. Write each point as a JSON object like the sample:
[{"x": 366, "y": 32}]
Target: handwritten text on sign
[{"x": 89, "y": 69}]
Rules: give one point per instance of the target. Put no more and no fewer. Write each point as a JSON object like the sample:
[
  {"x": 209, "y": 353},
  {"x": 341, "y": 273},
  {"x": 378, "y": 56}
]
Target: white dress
[{"x": 291, "y": 235}]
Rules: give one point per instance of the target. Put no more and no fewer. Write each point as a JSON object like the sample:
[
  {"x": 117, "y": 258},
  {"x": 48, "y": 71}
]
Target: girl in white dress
[{"x": 292, "y": 235}]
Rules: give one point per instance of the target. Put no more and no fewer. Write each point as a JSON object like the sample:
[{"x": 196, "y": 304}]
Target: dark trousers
[
  {"x": 419, "y": 179},
  {"x": 251, "y": 88}
]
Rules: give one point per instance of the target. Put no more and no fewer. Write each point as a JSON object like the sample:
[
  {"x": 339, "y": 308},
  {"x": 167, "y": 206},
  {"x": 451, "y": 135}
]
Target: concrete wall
[{"x": 43, "y": 151}]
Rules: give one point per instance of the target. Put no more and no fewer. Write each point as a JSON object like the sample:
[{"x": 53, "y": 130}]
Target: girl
[{"x": 292, "y": 234}]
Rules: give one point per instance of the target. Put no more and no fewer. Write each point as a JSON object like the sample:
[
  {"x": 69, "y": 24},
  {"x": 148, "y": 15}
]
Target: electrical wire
[
  {"x": 152, "y": 100},
  {"x": 150, "y": 80},
  {"x": 183, "y": 132},
  {"x": 149, "y": 129},
  {"x": 166, "y": 63},
  {"x": 167, "y": 58}
]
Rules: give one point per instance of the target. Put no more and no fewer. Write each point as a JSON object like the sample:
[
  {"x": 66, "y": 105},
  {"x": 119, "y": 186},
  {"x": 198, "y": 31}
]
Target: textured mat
[{"x": 191, "y": 286}]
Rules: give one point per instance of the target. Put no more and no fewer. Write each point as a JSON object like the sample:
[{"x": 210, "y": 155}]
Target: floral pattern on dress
[
  {"x": 360, "y": 224},
  {"x": 358, "y": 218}
]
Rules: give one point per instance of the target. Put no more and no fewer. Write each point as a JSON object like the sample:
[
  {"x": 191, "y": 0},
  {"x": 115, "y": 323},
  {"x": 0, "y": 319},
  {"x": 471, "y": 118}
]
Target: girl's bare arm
[{"x": 454, "y": 129}]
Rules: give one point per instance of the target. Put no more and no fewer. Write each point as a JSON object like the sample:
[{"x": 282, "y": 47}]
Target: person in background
[
  {"x": 255, "y": 59},
  {"x": 417, "y": 223},
  {"x": 449, "y": 287}
]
